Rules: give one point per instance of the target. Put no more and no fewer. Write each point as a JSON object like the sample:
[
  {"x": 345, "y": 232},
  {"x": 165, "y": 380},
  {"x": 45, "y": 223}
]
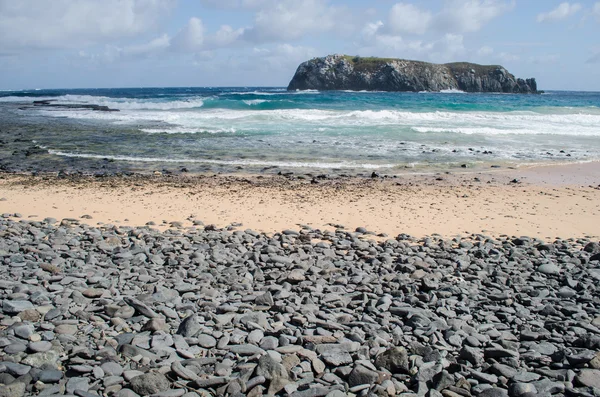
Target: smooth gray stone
[
  {"x": 494, "y": 392},
  {"x": 112, "y": 368},
  {"x": 40, "y": 347},
  {"x": 206, "y": 341},
  {"x": 485, "y": 378},
  {"x": 189, "y": 327},
  {"x": 183, "y": 372},
  {"x": 52, "y": 314},
  {"x": 127, "y": 393},
  {"x": 588, "y": 378},
  {"x": 112, "y": 380},
  {"x": 23, "y": 331},
  {"x": 132, "y": 351},
  {"x": 171, "y": 393},
  {"x": 246, "y": 350},
  {"x": 140, "y": 307},
  {"x": 16, "y": 306},
  {"x": 50, "y": 376},
  {"x": 77, "y": 384},
  {"x": 16, "y": 369},
  {"x": 15, "y": 348},
  {"x": 549, "y": 269}
]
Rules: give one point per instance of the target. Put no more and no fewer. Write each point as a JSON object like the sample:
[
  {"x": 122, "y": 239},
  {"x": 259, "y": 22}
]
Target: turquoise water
[{"x": 258, "y": 128}]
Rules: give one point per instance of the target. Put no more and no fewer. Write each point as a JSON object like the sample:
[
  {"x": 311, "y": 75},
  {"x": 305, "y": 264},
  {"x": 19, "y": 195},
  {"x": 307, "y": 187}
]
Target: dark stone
[
  {"x": 362, "y": 376},
  {"x": 150, "y": 383},
  {"x": 394, "y": 360}
]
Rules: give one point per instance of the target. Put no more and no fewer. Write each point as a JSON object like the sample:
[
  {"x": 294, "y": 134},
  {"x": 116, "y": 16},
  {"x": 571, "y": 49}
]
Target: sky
[{"x": 163, "y": 43}]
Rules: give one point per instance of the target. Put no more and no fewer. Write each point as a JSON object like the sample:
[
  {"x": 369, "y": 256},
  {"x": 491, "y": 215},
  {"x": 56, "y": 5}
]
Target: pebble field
[{"x": 119, "y": 311}]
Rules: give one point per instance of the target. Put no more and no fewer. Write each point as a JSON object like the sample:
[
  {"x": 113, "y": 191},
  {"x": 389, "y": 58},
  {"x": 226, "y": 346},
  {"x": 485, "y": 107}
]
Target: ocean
[{"x": 270, "y": 130}]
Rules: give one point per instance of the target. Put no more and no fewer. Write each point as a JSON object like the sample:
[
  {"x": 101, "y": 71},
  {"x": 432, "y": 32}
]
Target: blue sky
[{"x": 141, "y": 43}]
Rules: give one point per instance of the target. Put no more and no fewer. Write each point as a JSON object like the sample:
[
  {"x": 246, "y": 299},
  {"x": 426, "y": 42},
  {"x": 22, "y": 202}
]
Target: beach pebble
[{"x": 299, "y": 313}]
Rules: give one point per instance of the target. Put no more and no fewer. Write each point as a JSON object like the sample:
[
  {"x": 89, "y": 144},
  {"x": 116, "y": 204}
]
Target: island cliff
[{"x": 342, "y": 72}]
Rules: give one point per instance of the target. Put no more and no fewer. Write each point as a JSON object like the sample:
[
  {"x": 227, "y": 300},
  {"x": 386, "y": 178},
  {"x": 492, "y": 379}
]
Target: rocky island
[{"x": 343, "y": 72}]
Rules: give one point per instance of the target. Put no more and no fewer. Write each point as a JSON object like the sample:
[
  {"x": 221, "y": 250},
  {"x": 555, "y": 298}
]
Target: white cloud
[
  {"x": 114, "y": 53},
  {"x": 508, "y": 57},
  {"x": 564, "y": 10},
  {"x": 191, "y": 37},
  {"x": 448, "y": 49},
  {"x": 462, "y": 16},
  {"x": 224, "y": 37},
  {"x": 445, "y": 29},
  {"x": 30, "y": 24},
  {"x": 596, "y": 10},
  {"x": 292, "y": 19},
  {"x": 371, "y": 29},
  {"x": 154, "y": 46},
  {"x": 544, "y": 59},
  {"x": 595, "y": 58},
  {"x": 406, "y": 18},
  {"x": 235, "y": 4},
  {"x": 278, "y": 59},
  {"x": 485, "y": 50}
]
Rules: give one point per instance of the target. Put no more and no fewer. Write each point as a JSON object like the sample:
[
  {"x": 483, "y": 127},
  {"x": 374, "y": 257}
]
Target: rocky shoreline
[{"x": 203, "y": 311}]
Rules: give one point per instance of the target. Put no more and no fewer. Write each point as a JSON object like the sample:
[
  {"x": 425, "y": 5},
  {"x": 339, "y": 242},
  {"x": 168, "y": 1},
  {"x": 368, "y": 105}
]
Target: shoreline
[{"x": 545, "y": 202}]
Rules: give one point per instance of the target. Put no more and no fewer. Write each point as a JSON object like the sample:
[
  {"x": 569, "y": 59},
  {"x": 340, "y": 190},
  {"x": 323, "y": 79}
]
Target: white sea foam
[
  {"x": 115, "y": 103},
  {"x": 288, "y": 164},
  {"x": 260, "y": 93},
  {"x": 507, "y": 131},
  {"x": 251, "y": 102},
  {"x": 185, "y": 130},
  {"x": 575, "y": 122},
  {"x": 132, "y": 104},
  {"x": 28, "y": 99},
  {"x": 452, "y": 91}
]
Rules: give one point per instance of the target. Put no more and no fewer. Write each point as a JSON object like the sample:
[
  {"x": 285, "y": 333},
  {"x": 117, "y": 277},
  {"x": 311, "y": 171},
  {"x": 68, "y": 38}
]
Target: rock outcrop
[{"x": 342, "y": 72}]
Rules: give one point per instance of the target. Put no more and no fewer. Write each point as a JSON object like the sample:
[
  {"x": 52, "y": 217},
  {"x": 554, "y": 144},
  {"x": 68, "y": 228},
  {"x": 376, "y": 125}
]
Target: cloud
[
  {"x": 447, "y": 49},
  {"x": 446, "y": 29},
  {"x": 406, "y": 18},
  {"x": 593, "y": 59},
  {"x": 508, "y": 57},
  {"x": 463, "y": 16},
  {"x": 293, "y": 19},
  {"x": 564, "y": 10},
  {"x": 191, "y": 37},
  {"x": 596, "y": 10},
  {"x": 284, "y": 55},
  {"x": 456, "y": 17},
  {"x": 544, "y": 59},
  {"x": 235, "y": 4},
  {"x": 485, "y": 50},
  {"x": 56, "y": 24}
]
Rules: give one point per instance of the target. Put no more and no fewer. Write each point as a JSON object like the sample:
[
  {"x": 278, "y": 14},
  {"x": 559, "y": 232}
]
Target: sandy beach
[{"x": 544, "y": 202}]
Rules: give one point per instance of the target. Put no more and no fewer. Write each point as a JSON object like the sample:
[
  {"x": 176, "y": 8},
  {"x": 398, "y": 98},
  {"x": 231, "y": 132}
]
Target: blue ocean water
[{"x": 257, "y": 128}]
